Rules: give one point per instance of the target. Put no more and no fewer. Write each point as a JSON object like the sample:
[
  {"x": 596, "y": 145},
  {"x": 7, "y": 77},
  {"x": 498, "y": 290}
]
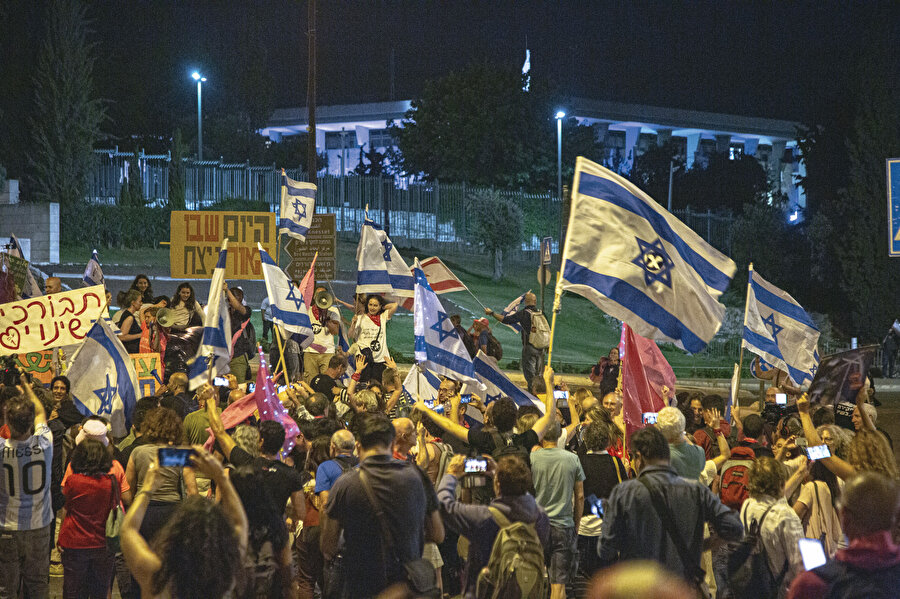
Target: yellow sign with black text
[{"x": 196, "y": 238}]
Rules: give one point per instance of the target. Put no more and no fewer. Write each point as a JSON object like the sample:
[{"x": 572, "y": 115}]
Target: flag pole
[
  {"x": 281, "y": 361},
  {"x": 734, "y": 399},
  {"x": 476, "y": 299},
  {"x": 557, "y": 294}
]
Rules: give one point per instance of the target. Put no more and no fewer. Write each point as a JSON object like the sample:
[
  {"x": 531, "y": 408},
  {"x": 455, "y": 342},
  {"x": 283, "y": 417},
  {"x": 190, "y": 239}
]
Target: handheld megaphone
[
  {"x": 164, "y": 317},
  {"x": 323, "y": 300}
]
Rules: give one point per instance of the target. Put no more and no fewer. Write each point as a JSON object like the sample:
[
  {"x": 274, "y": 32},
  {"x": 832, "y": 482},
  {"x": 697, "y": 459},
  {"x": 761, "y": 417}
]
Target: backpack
[
  {"x": 539, "y": 337},
  {"x": 504, "y": 446},
  {"x": 262, "y": 573},
  {"x": 845, "y": 581},
  {"x": 494, "y": 349},
  {"x": 516, "y": 564},
  {"x": 250, "y": 335},
  {"x": 748, "y": 566},
  {"x": 444, "y": 460},
  {"x": 733, "y": 488},
  {"x": 467, "y": 341}
]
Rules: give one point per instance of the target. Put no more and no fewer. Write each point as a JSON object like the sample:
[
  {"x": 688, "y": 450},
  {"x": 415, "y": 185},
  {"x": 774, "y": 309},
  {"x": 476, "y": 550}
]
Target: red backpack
[{"x": 733, "y": 488}]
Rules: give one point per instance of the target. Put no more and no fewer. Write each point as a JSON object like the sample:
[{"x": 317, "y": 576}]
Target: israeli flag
[
  {"x": 422, "y": 383},
  {"x": 288, "y": 307},
  {"x": 512, "y": 307},
  {"x": 779, "y": 330},
  {"x": 104, "y": 382},
  {"x": 93, "y": 275},
  {"x": 31, "y": 288},
  {"x": 640, "y": 264},
  {"x": 214, "y": 353},
  {"x": 437, "y": 344},
  {"x": 497, "y": 384},
  {"x": 298, "y": 204},
  {"x": 380, "y": 268}
]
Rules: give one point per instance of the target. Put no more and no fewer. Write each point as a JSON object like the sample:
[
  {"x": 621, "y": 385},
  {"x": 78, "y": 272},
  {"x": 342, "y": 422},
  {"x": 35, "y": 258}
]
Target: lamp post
[
  {"x": 199, "y": 79},
  {"x": 560, "y": 115}
]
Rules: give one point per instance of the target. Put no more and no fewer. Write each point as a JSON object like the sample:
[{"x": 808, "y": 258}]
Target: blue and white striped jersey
[{"x": 25, "y": 483}]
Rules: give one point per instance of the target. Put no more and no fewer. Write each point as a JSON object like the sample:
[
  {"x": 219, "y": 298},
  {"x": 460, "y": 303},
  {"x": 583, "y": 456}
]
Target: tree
[
  {"x": 722, "y": 183},
  {"x": 67, "y": 115},
  {"x": 373, "y": 163},
  {"x": 177, "y": 177},
  {"x": 496, "y": 225}
]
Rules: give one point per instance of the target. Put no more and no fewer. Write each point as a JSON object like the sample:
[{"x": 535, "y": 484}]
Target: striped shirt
[{"x": 25, "y": 486}]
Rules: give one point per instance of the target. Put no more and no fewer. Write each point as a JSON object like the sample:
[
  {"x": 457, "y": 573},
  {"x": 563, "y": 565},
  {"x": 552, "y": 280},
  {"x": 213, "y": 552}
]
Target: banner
[
  {"x": 840, "y": 376},
  {"x": 49, "y": 321},
  {"x": 197, "y": 236},
  {"x": 39, "y": 364},
  {"x": 147, "y": 367}
]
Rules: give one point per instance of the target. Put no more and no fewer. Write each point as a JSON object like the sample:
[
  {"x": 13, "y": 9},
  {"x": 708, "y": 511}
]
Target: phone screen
[
  {"x": 650, "y": 417},
  {"x": 817, "y": 452},
  {"x": 251, "y": 387},
  {"x": 812, "y": 552},
  {"x": 596, "y": 504},
  {"x": 220, "y": 381},
  {"x": 475, "y": 465},
  {"x": 174, "y": 457},
  {"x": 465, "y": 398},
  {"x": 280, "y": 389},
  {"x": 781, "y": 399},
  {"x": 557, "y": 394}
]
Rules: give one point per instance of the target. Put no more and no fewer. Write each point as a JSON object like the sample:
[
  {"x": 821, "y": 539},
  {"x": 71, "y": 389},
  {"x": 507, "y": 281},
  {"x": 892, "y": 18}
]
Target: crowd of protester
[{"x": 383, "y": 494}]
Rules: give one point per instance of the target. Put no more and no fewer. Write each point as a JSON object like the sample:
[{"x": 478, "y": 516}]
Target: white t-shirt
[
  {"x": 323, "y": 338},
  {"x": 372, "y": 335},
  {"x": 25, "y": 488}
]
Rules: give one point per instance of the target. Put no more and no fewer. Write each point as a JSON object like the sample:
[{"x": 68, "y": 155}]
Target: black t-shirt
[
  {"x": 133, "y": 346},
  {"x": 324, "y": 384},
  {"x": 406, "y": 497},
  {"x": 281, "y": 480},
  {"x": 602, "y": 472},
  {"x": 483, "y": 441},
  {"x": 523, "y": 319},
  {"x": 242, "y": 345}
]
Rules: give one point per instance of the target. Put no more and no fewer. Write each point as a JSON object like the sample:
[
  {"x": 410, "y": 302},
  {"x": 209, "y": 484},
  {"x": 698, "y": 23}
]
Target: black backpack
[
  {"x": 748, "y": 565},
  {"x": 846, "y": 581},
  {"x": 494, "y": 349},
  {"x": 504, "y": 446}
]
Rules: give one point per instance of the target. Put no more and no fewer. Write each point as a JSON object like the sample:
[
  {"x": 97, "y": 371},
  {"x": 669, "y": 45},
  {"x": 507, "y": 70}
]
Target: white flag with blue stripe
[
  {"x": 31, "y": 288},
  {"x": 779, "y": 330},
  {"x": 437, "y": 344},
  {"x": 289, "y": 309},
  {"x": 214, "y": 353},
  {"x": 298, "y": 204},
  {"x": 422, "y": 383},
  {"x": 639, "y": 263},
  {"x": 380, "y": 268},
  {"x": 497, "y": 384},
  {"x": 511, "y": 308},
  {"x": 104, "y": 382},
  {"x": 93, "y": 274}
]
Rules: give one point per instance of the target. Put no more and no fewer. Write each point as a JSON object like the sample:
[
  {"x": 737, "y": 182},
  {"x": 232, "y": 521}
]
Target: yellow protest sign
[{"x": 196, "y": 238}]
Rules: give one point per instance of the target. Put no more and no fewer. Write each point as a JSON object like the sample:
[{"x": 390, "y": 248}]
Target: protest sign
[
  {"x": 49, "y": 321},
  {"x": 196, "y": 238},
  {"x": 148, "y": 367},
  {"x": 39, "y": 364},
  {"x": 840, "y": 376}
]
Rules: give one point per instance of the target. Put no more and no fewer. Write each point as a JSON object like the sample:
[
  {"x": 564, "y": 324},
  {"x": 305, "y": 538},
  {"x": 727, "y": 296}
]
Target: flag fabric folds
[
  {"x": 639, "y": 263},
  {"x": 380, "y": 268},
  {"x": 289, "y": 309},
  {"x": 437, "y": 344},
  {"x": 512, "y": 307},
  {"x": 31, "y": 288},
  {"x": 214, "y": 352},
  {"x": 93, "y": 275},
  {"x": 422, "y": 383},
  {"x": 298, "y": 204},
  {"x": 104, "y": 382},
  {"x": 441, "y": 279},
  {"x": 270, "y": 408},
  {"x": 779, "y": 330},
  {"x": 644, "y": 372},
  {"x": 497, "y": 384}
]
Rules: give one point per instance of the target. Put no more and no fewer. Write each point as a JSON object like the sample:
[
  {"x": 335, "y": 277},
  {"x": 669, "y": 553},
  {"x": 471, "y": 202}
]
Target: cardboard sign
[
  {"x": 49, "y": 321},
  {"x": 840, "y": 376},
  {"x": 320, "y": 238},
  {"x": 196, "y": 238},
  {"x": 145, "y": 365},
  {"x": 38, "y": 364}
]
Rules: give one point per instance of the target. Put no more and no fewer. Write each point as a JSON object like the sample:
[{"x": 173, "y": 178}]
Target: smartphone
[
  {"x": 650, "y": 417},
  {"x": 475, "y": 465},
  {"x": 281, "y": 388},
  {"x": 817, "y": 452},
  {"x": 781, "y": 399},
  {"x": 220, "y": 381},
  {"x": 465, "y": 398},
  {"x": 174, "y": 457},
  {"x": 557, "y": 394},
  {"x": 596, "y": 505},
  {"x": 812, "y": 552},
  {"x": 251, "y": 387}
]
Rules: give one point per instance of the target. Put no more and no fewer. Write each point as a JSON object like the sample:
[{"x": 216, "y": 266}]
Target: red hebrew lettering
[
  {"x": 49, "y": 342},
  {"x": 70, "y": 309},
  {"x": 192, "y": 227},
  {"x": 74, "y": 327},
  {"x": 10, "y": 339},
  {"x": 85, "y": 302},
  {"x": 38, "y": 303},
  {"x": 211, "y": 227},
  {"x": 24, "y": 312}
]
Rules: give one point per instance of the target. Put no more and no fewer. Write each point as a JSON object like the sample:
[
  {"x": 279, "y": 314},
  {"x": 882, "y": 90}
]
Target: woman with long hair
[
  {"x": 369, "y": 329},
  {"x": 186, "y": 311},
  {"x": 141, "y": 284},
  {"x": 198, "y": 553},
  {"x": 129, "y": 323},
  {"x": 817, "y": 507}
]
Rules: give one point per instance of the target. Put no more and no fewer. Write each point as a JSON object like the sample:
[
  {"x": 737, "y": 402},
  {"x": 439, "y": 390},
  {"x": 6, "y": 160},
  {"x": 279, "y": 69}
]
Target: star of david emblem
[
  {"x": 106, "y": 396},
  {"x": 299, "y": 209},
  {"x": 773, "y": 327},
  {"x": 439, "y": 327},
  {"x": 291, "y": 296},
  {"x": 388, "y": 246},
  {"x": 488, "y": 398},
  {"x": 655, "y": 262}
]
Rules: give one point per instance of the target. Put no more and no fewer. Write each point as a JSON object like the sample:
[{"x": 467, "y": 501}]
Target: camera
[
  {"x": 474, "y": 473},
  {"x": 773, "y": 412},
  {"x": 9, "y": 372}
]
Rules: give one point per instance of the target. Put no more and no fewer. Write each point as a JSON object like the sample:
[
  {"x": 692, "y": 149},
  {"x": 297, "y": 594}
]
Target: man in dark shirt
[
  {"x": 406, "y": 499},
  {"x": 532, "y": 357},
  {"x": 239, "y": 314}
]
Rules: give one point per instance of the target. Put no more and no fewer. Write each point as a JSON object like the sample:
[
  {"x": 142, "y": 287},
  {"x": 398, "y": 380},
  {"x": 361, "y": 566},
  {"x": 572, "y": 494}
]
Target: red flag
[
  {"x": 270, "y": 408},
  {"x": 441, "y": 279},
  {"x": 233, "y": 415},
  {"x": 644, "y": 374},
  {"x": 308, "y": 284}
]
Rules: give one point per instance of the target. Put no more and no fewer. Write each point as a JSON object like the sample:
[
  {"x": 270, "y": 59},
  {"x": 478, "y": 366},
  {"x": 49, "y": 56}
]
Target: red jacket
[{"x": 871, "y": 552}]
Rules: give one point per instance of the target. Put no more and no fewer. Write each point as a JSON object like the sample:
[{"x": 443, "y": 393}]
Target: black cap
[{"x": 324, "y": 384}]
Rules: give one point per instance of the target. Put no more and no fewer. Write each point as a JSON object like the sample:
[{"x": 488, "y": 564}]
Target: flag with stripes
[
  {"x": 31, "y": 288},
  {"x": 498, "y": 385},
  {"x": 639, "y": 263},
  {"x": 512, "y": 307},
  {"x": 93, "y": 274},
  {"x": 422, "y": 383},
  {"x": 779, "y": 330},
  {"x": 214, "y": 352},
  {"x": 289, "y": 309},
  {"x": 298, "y": 204},
  {"x": 441, "y": 279},
  {"x": 380, "y": 268}
]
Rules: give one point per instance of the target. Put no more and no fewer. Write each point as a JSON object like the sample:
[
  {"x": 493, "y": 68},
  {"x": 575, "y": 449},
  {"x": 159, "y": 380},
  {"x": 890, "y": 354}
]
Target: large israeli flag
[
  {"x": 640, "y": 264},
  {"x": 380, "y": 268},
  {"x": 422, "y": 383},
  {"x": 93, "y": 274},
  {"x": 779, "y": 330},
  {"x": 298, "y": 204},
  {"x": 214, "y": 353},
  {"x": 104, "y": 382},
  {"x": 437, "y": 344},
  {"x": 497, "y": 384},
  {"x": 289, "y": 310}
]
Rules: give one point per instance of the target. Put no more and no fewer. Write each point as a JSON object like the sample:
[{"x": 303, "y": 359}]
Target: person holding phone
[{"x": 817, "y": 505}]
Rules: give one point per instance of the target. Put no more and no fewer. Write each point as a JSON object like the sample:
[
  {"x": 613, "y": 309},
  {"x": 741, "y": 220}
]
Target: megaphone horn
[
  {"x": 165, "y": 317},
  {"x": 323, "y": 299}
]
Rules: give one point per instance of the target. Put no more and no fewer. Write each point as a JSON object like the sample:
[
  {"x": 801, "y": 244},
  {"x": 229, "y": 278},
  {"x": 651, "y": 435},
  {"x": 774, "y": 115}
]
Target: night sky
[{"x": 780, "y": 59}]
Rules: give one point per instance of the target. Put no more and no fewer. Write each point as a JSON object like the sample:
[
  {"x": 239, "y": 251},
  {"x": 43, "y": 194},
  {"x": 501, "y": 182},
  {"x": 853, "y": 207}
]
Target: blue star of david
[
  {"x": 388, "y": 246},
  {"x": 773, "y": 327},
  {"x": 106, "y": 396},
  {"x": 291, "y": 296},
  {"x": 488, "y": 398},
  {"x": 439, "y": 327},
  {"x": 655, "y": 261},
  {"x": 299, "y": 210}
]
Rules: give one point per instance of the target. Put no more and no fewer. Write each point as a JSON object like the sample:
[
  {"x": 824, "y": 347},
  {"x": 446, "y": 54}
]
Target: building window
[
  {"x": 333, "y": 140},
  {"x": 380, "y": 138},
  {"x": 735, "y": 152}
]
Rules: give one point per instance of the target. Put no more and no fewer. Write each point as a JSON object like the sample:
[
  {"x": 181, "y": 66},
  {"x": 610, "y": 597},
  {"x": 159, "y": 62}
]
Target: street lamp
[
  {"x": 560, "y": 115},
  {"x": 199, "y": 79}
]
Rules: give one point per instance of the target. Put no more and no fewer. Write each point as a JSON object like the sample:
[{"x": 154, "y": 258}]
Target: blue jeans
[
  {"x": 25, "y": 558},
  {"x": 563, "y": 555},
  {"x": 532, "y": 363},
  {"x": 87, "y": 573}
]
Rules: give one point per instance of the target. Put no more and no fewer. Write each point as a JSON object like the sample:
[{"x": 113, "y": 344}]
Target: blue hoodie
[{"x": 476, "y": 524}]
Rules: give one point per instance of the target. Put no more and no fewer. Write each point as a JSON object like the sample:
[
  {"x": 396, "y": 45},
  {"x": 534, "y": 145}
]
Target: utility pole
[{"x": 311, "y": 157}]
